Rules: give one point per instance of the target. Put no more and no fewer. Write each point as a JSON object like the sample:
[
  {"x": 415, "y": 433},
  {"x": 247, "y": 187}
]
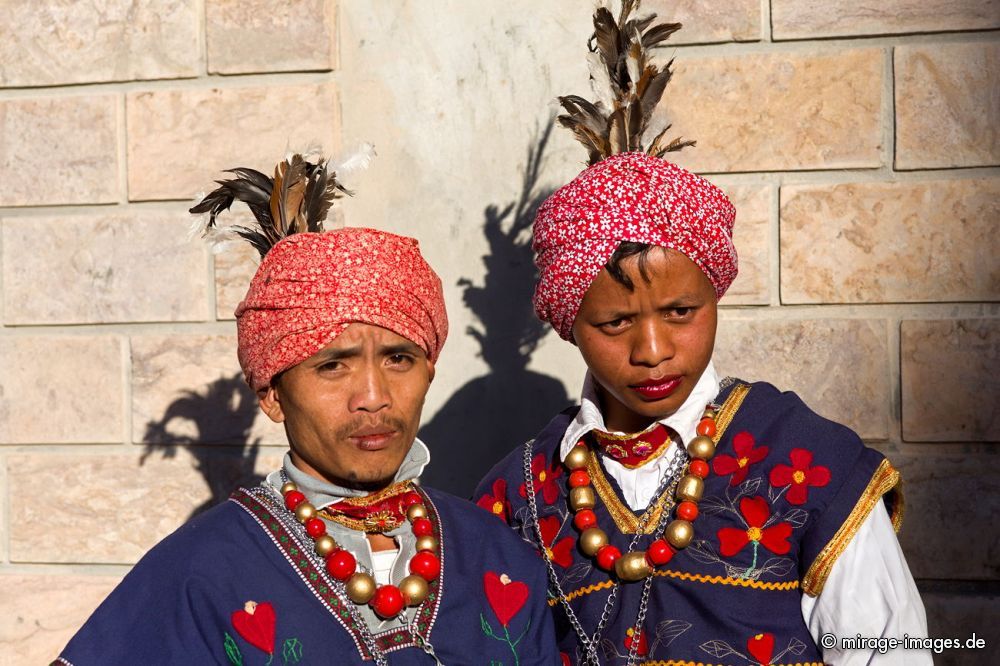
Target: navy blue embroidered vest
[{"x": 787, "y": 492}]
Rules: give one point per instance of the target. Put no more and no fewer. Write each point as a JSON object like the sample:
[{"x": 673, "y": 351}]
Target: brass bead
[
  {"x": 592, "y": 540},
  {"x": 416, "y": 511},
  {"x": 325, "y": 545},
  {"x": 709, "y": 414},
  {"x": 304, "y": 512},
  {"x": 427, "y": 543},
  {"x": 360, "y": 588},
  {"x": 690, "y": 488},
  {"x": 582, "y": 498},
  {"x": 701, "y": 447},
  {"x": 576, "y": 458},
  {"x": 414, "y": 589},
  {"x": 633, "y": 566},
  {"x": 679, "y": 533},
  {"x": 287, "y": 487}
]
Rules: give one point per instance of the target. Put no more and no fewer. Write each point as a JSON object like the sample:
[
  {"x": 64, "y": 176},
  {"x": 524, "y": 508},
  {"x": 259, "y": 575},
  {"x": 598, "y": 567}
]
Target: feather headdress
[
  {"x": 296, "y": 200},
  {"x": 627, "y": 84}
]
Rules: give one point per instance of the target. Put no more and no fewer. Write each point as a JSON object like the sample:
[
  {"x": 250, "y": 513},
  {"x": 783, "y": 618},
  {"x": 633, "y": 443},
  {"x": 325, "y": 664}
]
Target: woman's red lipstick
[{"x": 657, "y": 389}]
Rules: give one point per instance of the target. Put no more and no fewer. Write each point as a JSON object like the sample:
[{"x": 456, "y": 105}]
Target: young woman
[{"x": 686, "y": 518}]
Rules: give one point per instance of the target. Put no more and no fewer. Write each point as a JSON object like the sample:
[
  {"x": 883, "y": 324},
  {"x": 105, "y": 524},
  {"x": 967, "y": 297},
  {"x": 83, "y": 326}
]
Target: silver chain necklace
[{"x": 590, "y": 642}]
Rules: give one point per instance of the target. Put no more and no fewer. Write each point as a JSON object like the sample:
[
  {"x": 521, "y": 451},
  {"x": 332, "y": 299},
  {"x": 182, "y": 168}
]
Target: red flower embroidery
[
  {"x": 506, "y": 597},
  {"x": 799, "y": 476},
  {"x": 496, "y": 502},
  {"x": 755, "y": 513},
  {"x": 562, "y": 552},
  {"x": 761, "y": 648},
  {"x": 255, "y": 624},
  {"x": 564, "y": 658},
  {"x": 544, "y": 479},
  {"x": 739, "y": 465},
  {"x": 643, "y": 648}
]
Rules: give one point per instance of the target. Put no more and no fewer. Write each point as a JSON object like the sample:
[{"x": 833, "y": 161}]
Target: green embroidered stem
[
  {"x": 506, "y": 633},
  {"x": 746, "y": 574},
  {"x": 232, "y": 650},
  {"x": 269, "y": 658}
]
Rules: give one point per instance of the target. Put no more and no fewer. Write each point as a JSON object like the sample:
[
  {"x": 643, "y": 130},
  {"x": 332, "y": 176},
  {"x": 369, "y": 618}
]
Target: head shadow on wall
[
  {"x": 494, "y": 413},
  {"x": 221, "y": 448}
]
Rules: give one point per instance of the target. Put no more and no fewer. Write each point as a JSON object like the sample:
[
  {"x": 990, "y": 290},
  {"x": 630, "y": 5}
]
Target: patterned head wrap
[
  {"x": 626, "y": 197},
  {"x": 311, "y": 286}
]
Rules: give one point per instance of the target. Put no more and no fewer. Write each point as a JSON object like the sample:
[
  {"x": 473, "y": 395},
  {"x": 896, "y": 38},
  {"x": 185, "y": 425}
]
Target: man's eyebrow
[
  {"x": 401, "y": 348},
  {"x": 338, "y": 353}
]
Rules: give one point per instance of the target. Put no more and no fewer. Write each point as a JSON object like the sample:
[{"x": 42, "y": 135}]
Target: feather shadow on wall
[{"x": 494, "y": 413}]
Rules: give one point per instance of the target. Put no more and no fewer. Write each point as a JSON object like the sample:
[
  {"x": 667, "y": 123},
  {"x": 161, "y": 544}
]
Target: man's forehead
[{"x": 358, "y": 334}]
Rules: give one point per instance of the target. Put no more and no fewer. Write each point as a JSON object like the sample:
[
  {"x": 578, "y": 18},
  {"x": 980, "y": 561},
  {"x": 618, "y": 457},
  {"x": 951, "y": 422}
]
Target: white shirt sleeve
[{"x": 869, "y": 592}]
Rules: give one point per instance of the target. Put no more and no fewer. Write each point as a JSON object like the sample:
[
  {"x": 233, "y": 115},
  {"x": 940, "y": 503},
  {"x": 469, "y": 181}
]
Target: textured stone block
[
  {"x": 879, "y": 242},
  {"x": 39, "y": 613},
  {"x": 940, "y": 542},
  {"x": 54, "y": 43},
  {"x": 180, "y": 140},
  {"x": 753, "y": 238},
  {"x": 189, "y": 389},
  {"x": 947, "y": 105},
  {"x": 949, "y": 380},
  {"x": 803, "y": 19},
  {"x": 707, "y": 22},
  {"x": 778, "y": 111},
  {"x": 61, "y": 389},
  {"x": 252, "y": 36},
  {"x": 234, "y": 268},
  {"x": 102, "y": 268},
  {"x": 59, "y": 150},
  {"x": 115, "y": 507},
  {"x": 810, "y": 358},
  {"x": 959, "y": 615}
]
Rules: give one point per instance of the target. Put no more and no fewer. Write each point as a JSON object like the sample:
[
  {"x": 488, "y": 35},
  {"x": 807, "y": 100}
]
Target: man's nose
[{"x": 370, "y": 391}]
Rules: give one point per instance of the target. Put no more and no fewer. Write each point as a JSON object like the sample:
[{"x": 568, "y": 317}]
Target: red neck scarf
[
  {"x": 377, "y": 513},
  {"x": 637, "y": 449}
]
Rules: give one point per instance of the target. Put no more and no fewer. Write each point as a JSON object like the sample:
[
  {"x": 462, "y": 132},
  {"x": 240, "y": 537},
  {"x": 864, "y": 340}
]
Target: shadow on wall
[
  {"x": 492, "y": 414},
  {"x": 223, "y": 414}
]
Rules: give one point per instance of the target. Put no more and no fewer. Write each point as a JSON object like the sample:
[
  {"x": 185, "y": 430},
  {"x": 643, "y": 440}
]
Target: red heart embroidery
[
  {"x": 255, "y": 623},
  {"x": 506, "y": 597},
  {"x": 761, "y": 647}
]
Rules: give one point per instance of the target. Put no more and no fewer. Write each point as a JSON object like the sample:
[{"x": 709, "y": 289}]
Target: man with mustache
[{"x": 339, "y": 556}]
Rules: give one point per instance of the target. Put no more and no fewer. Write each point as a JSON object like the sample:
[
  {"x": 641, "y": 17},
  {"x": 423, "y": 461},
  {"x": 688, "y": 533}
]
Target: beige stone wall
[{"x": 859, "y": 143}]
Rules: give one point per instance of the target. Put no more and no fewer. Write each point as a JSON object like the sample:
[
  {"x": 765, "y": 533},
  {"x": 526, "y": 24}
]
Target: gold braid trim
[
  {"x": 369, "y": 526},
  {"x": 782, "y": 586},
  {"x": 884, "y": 480},
  {"x": 625, "y": 519}
]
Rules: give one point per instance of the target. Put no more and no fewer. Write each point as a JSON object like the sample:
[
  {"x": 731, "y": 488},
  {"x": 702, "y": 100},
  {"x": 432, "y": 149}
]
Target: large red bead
[
  {"x": 584, "y": 518},
  {"x": 706, "y": 427},
  {"x": 426, "y": 565},
  {"x": 607, "y": 556},
  {"x": 409, "y": 499},
  {"x": 687, "y": 510},
  {"x": 387, "y": 602},
  {"x": 659, "y": 552},
  {"x": 699, "y": 468},
  {"x": 315, "y": 527},
  {"x": 579, "y": 478},
  {"x": 293, "y": 498},
  {"x": 423, "y": 527},
  {"x": 341, "y": 564}
]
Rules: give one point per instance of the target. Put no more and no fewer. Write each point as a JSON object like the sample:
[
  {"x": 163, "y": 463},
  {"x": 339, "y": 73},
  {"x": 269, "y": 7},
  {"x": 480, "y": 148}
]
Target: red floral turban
[
  {"x": 626, "y": 197},
  {"x": 311, "y": 286}
]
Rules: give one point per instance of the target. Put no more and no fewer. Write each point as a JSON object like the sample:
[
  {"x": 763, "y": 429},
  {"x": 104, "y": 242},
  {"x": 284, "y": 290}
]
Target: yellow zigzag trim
[{"x": 698, "y": 578}]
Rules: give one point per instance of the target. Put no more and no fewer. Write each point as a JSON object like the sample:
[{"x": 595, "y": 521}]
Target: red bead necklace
[
  {"x": 387, "y": 601},
  {"x": 633, "y": 566}
]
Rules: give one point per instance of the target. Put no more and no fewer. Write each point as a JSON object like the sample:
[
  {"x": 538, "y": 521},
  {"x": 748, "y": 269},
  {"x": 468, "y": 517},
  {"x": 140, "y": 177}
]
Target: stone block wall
[{"x": 860, "y": 146}]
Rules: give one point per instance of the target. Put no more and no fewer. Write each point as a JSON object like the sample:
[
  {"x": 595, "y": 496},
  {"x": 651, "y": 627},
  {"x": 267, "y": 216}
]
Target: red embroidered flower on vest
[
  {"x": 739, "y": 465},
  {"x": 255, "y": 624},
  {"x": 562, "y": 552},
  {"x": 755, "y": 514},
  {"x": 544, "y": 479},
  {"x": 761, "y": 647},
  {"x": 506, "y": 597},
  {"x": 799, "y": 476},
  {"x": 642, "y": 649},
  {"x": 496, "y": 501}
]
